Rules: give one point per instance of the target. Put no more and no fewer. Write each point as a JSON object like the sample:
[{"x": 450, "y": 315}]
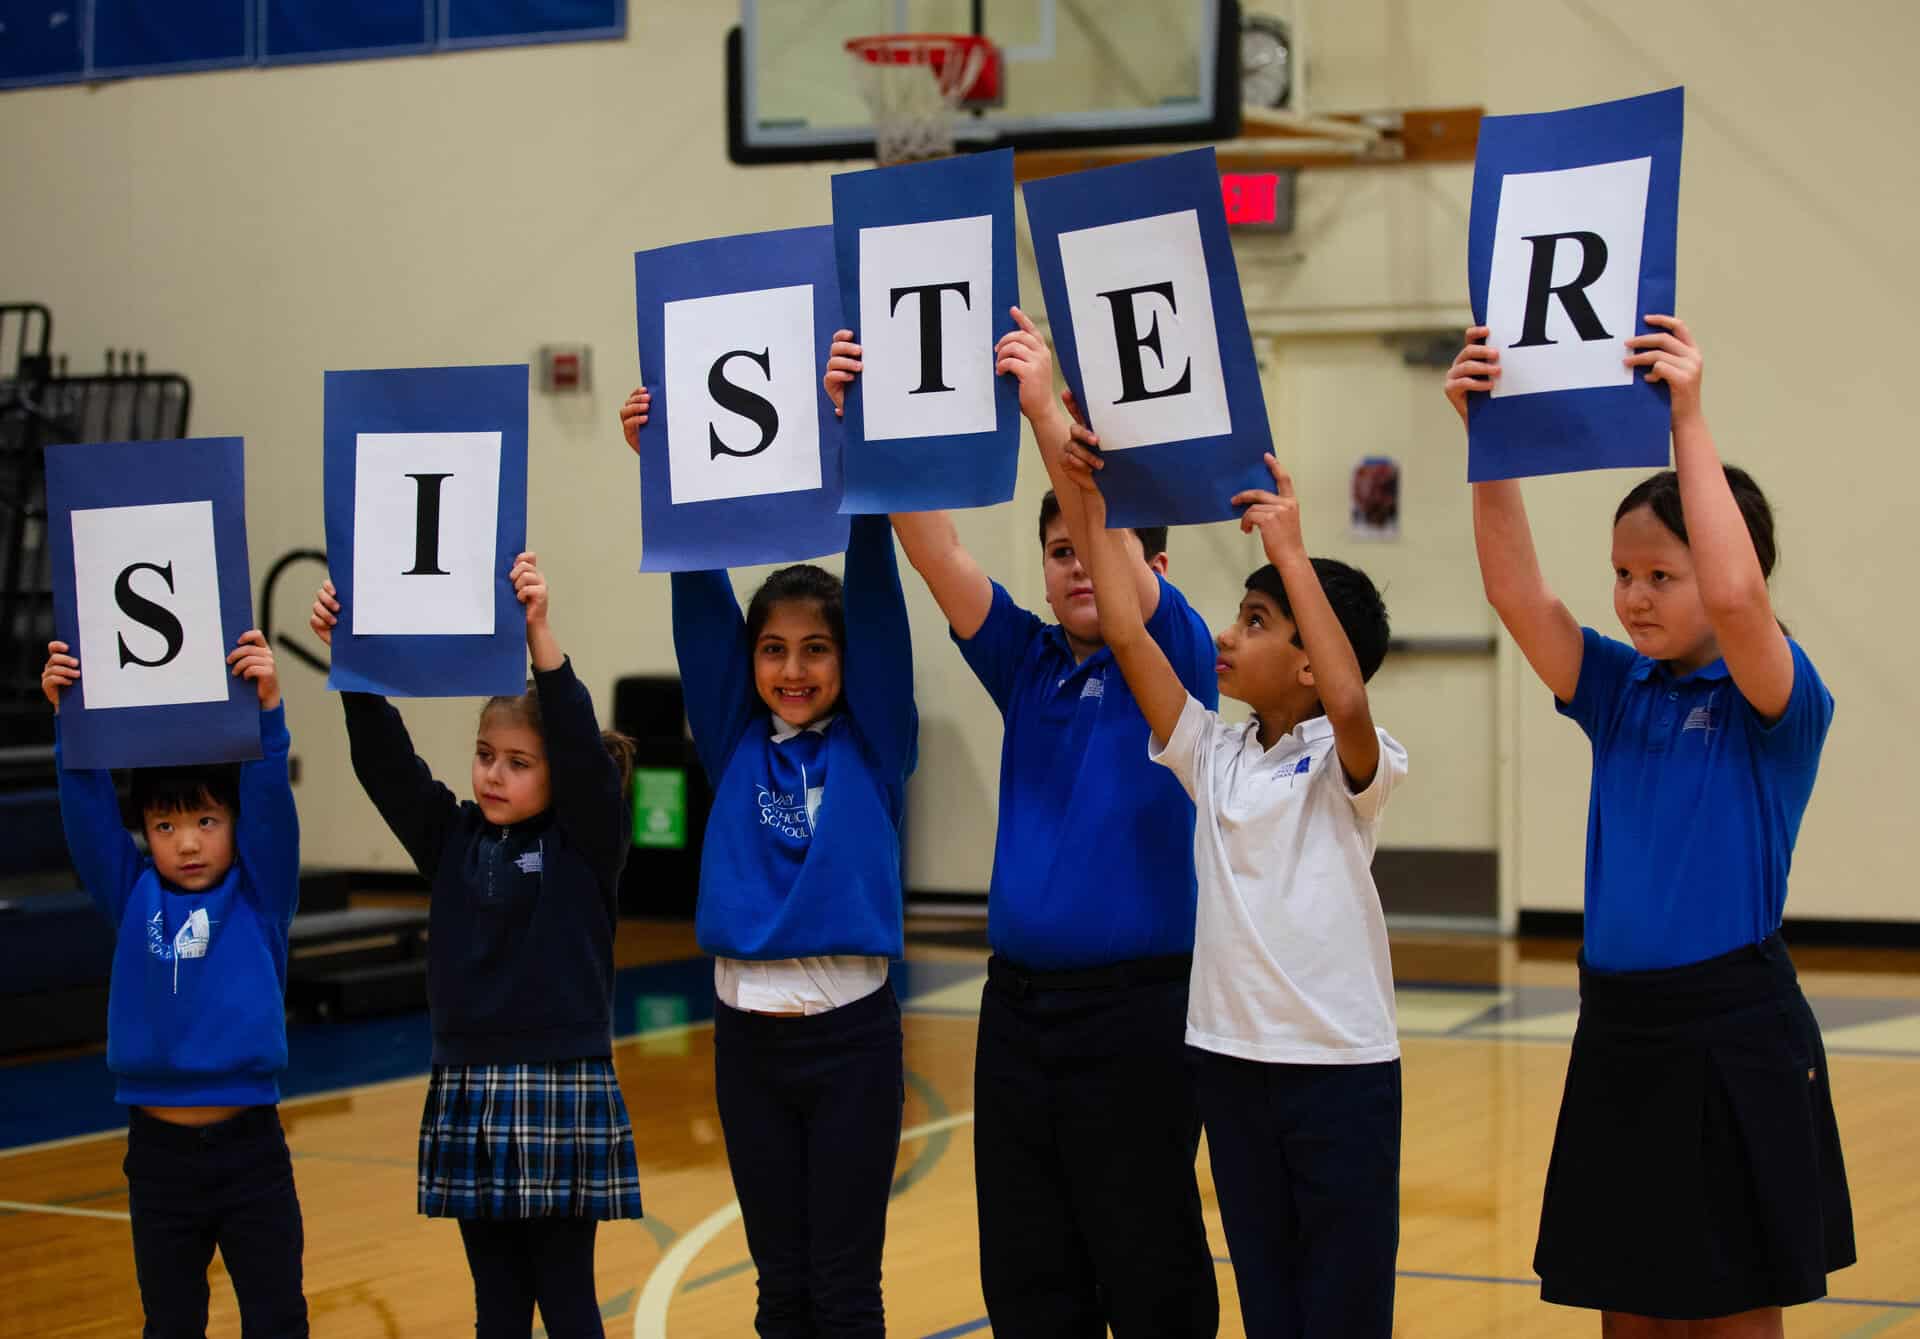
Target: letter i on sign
[{"x": 425, "y": 511}]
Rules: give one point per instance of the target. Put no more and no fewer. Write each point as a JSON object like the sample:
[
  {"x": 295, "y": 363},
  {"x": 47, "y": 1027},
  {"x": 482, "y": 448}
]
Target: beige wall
[{"x": 255, "y": 228}]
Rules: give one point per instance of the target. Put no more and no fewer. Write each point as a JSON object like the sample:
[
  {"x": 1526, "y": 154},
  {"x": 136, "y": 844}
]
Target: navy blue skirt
[
  {"x": 527, "y": 1141},
  {"x": 1696, "y": 1168}
]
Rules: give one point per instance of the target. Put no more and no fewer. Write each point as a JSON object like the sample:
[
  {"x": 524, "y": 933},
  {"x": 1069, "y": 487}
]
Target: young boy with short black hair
[
  {"x": 1290, "y": 1020},
  {"x": 196, "y": 1015}
]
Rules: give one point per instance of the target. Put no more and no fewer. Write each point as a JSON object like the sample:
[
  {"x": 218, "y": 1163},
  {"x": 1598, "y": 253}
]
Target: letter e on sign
[
  {"x": 1143, "y": 326},
  {"x": 1562, "y": 298}
]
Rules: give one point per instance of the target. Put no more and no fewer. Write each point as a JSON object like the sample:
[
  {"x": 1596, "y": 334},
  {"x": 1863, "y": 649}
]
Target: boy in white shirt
[{"x": 1290, "y": 1021}]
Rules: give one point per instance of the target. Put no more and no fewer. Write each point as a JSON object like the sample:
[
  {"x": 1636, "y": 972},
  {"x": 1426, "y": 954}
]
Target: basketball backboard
[{"x": 1076, "y": 73}]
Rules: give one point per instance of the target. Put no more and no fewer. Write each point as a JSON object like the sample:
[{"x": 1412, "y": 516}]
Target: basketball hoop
[{"x": 913, "y": 84}]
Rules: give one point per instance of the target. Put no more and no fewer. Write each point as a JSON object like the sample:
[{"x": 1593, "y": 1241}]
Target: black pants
[
  {"x": 519, "y": 1261},
  {"x": 1085, "y": 1132},
  {"x": 811, "y": 1108},
  {"x": 227, "y": 1185},
  {"x": 1306, "y": 1164}
]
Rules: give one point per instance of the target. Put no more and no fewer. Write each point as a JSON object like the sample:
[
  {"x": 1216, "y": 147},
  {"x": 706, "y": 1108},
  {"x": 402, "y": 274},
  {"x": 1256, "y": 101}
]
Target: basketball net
[{"x": 913, "y": 84}]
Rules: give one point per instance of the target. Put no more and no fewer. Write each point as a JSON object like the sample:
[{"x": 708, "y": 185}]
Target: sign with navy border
[
  {"x": 148, "y": 548},
  {"x": 1143, "y": 300},
  {"x": 1571, "y": 246},
  {"x": 426, "y": 503},
  {"x": 927, "y": 277},
  {"x": 740, "y": 459}
]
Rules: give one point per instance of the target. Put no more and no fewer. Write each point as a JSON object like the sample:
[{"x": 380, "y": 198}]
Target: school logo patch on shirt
[
  {"x": 1700, "y": 718},
  {"x": 532, "y": 862},
  {"x": 786, "y": 814},
  {"x": 1095, "y": 687},
  {"x": 1298, "y": 770},
  {"x": 194, "y": 936}
]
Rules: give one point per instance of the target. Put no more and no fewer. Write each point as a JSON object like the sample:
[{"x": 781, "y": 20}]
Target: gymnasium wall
[{"x": 254, "y": 228}]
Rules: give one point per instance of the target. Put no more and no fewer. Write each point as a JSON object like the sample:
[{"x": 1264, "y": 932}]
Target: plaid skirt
[{"x": 527, "y": 1141}]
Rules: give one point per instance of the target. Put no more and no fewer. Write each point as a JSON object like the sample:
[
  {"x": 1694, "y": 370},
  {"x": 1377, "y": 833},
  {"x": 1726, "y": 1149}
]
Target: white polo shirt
[{"x": 1290, "y": 960}]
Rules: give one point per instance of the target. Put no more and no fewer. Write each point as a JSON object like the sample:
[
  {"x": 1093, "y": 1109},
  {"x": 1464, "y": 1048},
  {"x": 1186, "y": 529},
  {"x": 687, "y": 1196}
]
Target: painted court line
[
  {"x": 650, "y": 1313},
  {"x": 65, "y": 1211},
  {"x": 1901, "y": 1312}
]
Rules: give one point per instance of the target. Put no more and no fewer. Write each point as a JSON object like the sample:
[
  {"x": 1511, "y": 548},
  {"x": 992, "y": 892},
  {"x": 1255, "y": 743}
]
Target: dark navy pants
[
  {"x": 811, "y": 1109},
  {"x": 229, "y": 1185},
  {"x": 1085, "y": 1133},
  {"x": 1306, "y": 1166}
]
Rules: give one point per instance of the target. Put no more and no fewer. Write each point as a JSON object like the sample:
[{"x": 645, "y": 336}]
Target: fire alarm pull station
[{"x": 565, "y": 368}]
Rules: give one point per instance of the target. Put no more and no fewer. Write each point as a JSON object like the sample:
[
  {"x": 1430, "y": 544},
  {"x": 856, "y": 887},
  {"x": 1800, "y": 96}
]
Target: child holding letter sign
[
  {"x": 1290, "y": 1025},
  {"x": 1085, "y": 1124},
  {"x": 196, "y": 1021},
  {"x": 1696, "y": 1185},
  {"x": 804, "y": 719},
  {"x": 525, "y": 1137}
]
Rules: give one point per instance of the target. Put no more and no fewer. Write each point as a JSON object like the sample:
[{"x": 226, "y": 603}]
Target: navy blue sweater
[
  {"x": 802, "y": 853},
  {"x": 520, "y": 947},
  {"x": 196, "y": 1013}
]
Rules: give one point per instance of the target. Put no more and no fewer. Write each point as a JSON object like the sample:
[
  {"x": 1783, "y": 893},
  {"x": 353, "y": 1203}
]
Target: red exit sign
[{"x": 1254, "y": 199}]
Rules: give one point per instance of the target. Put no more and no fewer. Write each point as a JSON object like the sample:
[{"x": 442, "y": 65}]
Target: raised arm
[
  {"x": 879, "y": 650},
  {"x": 268, "y": 833},
  {"x": 959, "y": 586},
  {"x": 418, "y": 809},
  {"x": 586, "y": 783},
  {"x": 1024, "y": 354},
  {"x": 1150, "y": 675},
  {"x": 1336, "y": 671},
  {"x": 716, "y": 665},
  {"x": 1547, "y": 633},
  {"x": 1733, "y": 587},
  {"x": 103, "y": 853},
  {"x": 709, "y": 640}
]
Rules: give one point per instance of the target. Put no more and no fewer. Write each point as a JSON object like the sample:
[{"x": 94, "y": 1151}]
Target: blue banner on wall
[
  {"x": 41, "y": 41},
  {"x": 426, "y": 478},
  {"x": 1571, "y": 246},
  {"x": 140, "y": 37},
  {"x": 740, "y": 458},
  {"x": 927, "y": 276},
  {"x": 1144, "y": 305},
  {"x": 148, "y": 548},
  {"x": 315, "y": 30}
]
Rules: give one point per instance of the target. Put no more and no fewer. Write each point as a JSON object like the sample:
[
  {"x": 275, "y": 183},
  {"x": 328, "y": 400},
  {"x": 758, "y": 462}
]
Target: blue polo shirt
[
  {"x": 1695, "y": 807},
  {"x": 1093, "y": 860}
]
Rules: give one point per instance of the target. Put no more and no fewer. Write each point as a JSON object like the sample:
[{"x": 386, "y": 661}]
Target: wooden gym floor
[{"x": 1484, "y": 1022}]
